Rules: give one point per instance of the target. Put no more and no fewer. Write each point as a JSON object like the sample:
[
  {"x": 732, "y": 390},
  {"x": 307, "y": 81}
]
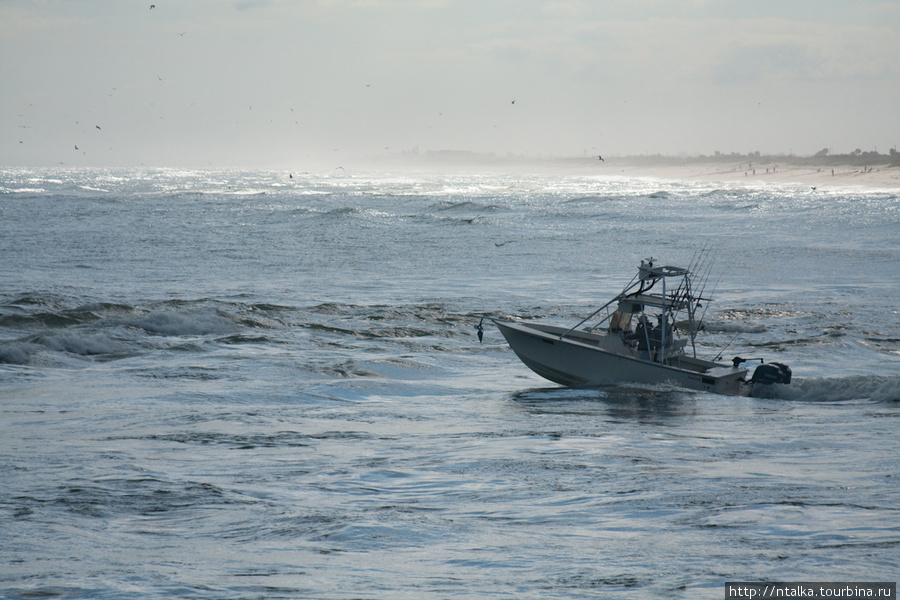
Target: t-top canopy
[
  {"x": 635, "y": 304},
  {"x": 648, "y": 271}
]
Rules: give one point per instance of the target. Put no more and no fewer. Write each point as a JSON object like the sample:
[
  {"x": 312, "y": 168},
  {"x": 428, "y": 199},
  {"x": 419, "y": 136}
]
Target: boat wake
[
  {"x": 884, "y": 388},
  {"x": 815, "y": 389}
]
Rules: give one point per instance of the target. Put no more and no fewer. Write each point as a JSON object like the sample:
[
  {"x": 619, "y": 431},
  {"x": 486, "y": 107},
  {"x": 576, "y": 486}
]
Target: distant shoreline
[
  {"x": 782, "y": 170},
  {"x": 869, "y": 170}
]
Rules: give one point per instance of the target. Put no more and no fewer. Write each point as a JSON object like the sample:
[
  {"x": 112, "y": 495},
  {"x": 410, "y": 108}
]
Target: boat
[{"x": 645, "y": 335}]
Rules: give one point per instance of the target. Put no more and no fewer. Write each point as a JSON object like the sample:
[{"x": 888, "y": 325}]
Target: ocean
[{"x": 258, "y": 384}]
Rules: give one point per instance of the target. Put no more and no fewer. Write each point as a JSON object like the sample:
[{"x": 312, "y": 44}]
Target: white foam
[
  {"x": 79, "y": 343},
  {"x": 878, "y": 388},
  {"x": 17, "y": 353}
]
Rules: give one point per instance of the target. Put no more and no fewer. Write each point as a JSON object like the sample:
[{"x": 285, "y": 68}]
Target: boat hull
[{"x": 580, "y": 359}]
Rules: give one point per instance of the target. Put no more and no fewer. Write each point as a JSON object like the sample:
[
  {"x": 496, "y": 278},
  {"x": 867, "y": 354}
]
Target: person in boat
[
  {"x": 656, "y": 335},
  {"x": 641, "y": 335},
  {"x": 620, "y": 323}
]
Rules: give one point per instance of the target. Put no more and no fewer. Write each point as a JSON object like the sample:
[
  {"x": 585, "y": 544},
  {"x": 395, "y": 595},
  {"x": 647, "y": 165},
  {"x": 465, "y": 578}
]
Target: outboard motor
[{"x": 770, "y": 373}]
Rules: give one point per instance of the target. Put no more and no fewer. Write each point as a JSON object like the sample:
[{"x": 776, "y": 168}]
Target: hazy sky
[{"x": 288, "y": 83}]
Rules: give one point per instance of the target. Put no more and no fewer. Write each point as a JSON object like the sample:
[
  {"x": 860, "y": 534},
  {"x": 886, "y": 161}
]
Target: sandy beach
[
  {"x": 773, "y": 171},
  {"x": 779, "y": 170}
]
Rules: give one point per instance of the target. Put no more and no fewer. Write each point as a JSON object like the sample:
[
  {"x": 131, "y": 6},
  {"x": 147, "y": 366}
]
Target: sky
[{"x": 286, "y": 84}]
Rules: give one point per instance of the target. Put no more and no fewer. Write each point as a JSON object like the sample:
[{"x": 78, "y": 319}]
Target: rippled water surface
[{"x": 219, "y": 384}]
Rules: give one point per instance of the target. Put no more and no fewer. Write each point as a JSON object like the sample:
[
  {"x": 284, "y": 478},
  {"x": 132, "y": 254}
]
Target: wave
[
  {"x": 466, "y": 206},
  {"x": 45, "y": 330},
  {"x": 23, "y": 190},
  {"x": 736, "y": 207},
  {"x": 342, "y": 211},
  {"x": 81, "y": 344},
  {"x": 715, "y": 192},
  {"x": 166, "y": 322},
  {"x": 767, "y": 312},
  {"x": 18, "y": 352},
  {"x": 40, "y": 329},
  {"x": 46, "y": 319},
  {"x": 734, "y": 327}
]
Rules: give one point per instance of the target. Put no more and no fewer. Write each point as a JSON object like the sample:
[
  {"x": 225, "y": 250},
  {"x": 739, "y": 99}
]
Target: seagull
[
  {"x": 152, "y": 6},
  {"x": 76, "y": 146},
  {"x": 601, "y": 158},
  {"x": 98, "y": 127}
]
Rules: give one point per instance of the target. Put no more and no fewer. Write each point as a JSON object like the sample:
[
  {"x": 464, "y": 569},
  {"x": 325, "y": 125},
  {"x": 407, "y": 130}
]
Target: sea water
[{"x": 233, "y": 384}]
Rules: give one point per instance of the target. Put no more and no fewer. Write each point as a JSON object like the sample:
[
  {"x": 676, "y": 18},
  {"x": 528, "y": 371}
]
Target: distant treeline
[{"x": 821, "y": 158}]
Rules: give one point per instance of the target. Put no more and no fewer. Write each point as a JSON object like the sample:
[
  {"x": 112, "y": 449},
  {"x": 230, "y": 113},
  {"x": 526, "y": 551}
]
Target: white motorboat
[{"x": 645, "y": 335}]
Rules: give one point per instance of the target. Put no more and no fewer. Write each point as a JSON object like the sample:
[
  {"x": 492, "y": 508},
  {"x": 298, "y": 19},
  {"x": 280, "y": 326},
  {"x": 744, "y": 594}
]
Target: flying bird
[
  {"x": 513, "y": 101},
  {"x": 501, "y": 244},
  {"x": 98, "y": 127},
  {"x": 601, "y": 158},
  {"x": 152, "y": 6}
]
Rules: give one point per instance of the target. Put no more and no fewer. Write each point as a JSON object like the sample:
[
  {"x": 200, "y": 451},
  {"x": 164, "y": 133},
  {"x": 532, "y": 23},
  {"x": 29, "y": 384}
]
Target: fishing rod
[
  {"x": 719, "y": 355},
  {"x": 705, "y": 308}
]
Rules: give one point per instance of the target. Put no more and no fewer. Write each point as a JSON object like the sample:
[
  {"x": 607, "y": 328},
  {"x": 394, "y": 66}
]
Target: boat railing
[{"x": 589, "y": 317}]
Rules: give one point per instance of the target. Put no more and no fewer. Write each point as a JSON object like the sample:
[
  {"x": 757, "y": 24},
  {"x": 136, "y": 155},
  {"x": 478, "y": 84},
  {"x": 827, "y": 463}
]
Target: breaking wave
[{"x": 177, "y": 324}]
